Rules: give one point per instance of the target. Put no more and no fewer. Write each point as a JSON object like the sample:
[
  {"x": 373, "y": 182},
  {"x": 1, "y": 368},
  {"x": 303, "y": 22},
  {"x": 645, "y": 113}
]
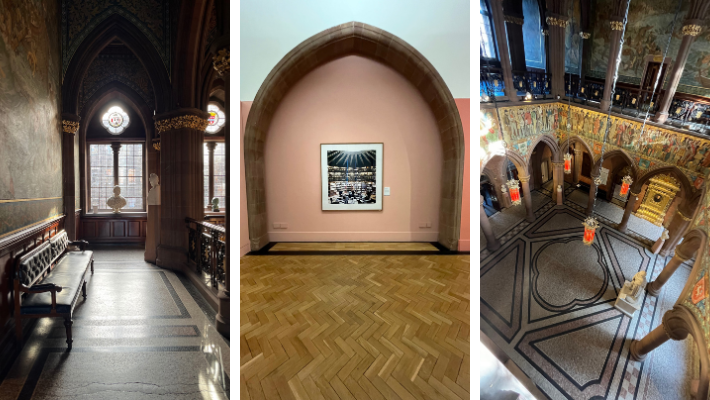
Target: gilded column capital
[
  {"x": 220, "y": 62},
  {"x": 70, "y": 126},
  {"x": 513, "y": 20},
  {"x": 188, "y": 118},
  {"x": 616, "y": 25},
  {"x": 584, "y": 35},
  {"x": 524, "y": 179},
  {"x": 691, "y": 30},
  {"x": 683, "y": 217},
  {"x": 156, "y": 144},
  {"x": 559, "y": 22}
]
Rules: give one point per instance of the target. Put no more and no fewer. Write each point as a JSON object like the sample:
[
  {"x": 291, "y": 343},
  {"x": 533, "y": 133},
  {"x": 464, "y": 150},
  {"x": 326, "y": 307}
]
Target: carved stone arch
[
  {"x": 693, "y": 240},
  {"x": 574, "y": 140},
  {"x": 115, "y": 27},
  {"x": 520, "y": 164},
  {"x": 354, "y": 38},
  {"x": 617, "y": 153},
  {"x": 686, "y": 187},
  {"x": 113, "y": 91},
  {"x": 551, "y": 143}
]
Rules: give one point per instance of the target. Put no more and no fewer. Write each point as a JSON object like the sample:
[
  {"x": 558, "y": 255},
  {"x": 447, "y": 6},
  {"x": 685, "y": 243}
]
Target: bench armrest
[
  {"x": 81, "y": 243},
  {"x": 44, "y": 287}
]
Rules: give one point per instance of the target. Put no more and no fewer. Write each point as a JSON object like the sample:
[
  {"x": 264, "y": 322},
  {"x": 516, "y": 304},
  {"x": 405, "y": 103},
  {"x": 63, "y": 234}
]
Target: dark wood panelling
[{"x": 109, "y": 228}]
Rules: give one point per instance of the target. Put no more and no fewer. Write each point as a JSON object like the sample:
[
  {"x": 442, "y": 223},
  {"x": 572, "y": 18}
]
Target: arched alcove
[{"x": 355, "y": 39}]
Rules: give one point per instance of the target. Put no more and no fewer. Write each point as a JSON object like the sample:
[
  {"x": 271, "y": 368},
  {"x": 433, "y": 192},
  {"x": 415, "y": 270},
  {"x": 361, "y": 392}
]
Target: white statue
[
  {"x": 631, "y": 295},
  {"x": 116, "y": 202},
  {"x": 154, "y": 192}
]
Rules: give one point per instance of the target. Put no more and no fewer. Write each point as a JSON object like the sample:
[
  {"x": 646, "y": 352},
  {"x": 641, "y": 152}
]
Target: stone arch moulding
[
  {"x": 115, "y": 27},
  {"x": 355, "y": 38},
  {"x": 618, "y": 153},
  {"x": 686, "y": 187},
  {"x": 573, "y": 140},
  {"x": 551, "y": 143},
  {"x": 520, "y": 164}
]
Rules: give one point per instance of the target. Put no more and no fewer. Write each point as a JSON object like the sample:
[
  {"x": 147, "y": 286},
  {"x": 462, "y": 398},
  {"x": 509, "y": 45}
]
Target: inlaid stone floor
[
  {"x": 355, "y": 327},
  {"x": 142, "y": 333},
  {"x": 547, "y": 303}
]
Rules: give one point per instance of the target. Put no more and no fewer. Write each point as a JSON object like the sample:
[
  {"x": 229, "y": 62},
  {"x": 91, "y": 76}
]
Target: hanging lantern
[
  {"x": 514, "y": 188},
  {"x": 568, "y": 163},
  {"x": 625, "y": 183},
  {"x": 590, "y": 227}
]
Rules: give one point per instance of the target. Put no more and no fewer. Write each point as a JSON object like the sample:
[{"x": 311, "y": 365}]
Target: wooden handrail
[{"x": 207, "y": 225}]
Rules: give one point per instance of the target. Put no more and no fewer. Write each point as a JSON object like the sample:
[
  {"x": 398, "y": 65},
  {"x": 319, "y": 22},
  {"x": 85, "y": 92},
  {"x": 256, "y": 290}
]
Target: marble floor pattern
[
  {"x": 355, "y": 327},
  {"x": 142, "y": 333},
  {"x": 547, "y": 303}
]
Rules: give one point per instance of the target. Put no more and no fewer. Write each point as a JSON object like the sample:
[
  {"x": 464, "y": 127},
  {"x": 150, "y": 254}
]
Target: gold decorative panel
[{"x": 660, "y": 193}]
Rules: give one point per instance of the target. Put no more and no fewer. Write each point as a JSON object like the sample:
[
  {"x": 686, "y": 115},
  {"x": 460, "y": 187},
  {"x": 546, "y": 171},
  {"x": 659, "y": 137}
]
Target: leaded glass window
[
  {"x": 216, "y": 120},
  {"x": 115, "y": 120}
]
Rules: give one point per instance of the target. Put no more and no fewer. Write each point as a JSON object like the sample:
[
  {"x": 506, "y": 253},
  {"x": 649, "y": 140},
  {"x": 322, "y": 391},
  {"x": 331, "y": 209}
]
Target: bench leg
[
  {"x": 83, "y": 290},
  {"x": 92, "y": 267},
  {"x": 67, "y": 324}
]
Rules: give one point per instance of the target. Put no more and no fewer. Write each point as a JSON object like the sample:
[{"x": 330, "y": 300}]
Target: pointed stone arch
[
  {"x": 551, "y": 143},
  {"x": 574, "y": 140},
  {"x": 614, "y": 154},
  {"x": 115, "y": 27},
  {"x": 355, "y": 38}
]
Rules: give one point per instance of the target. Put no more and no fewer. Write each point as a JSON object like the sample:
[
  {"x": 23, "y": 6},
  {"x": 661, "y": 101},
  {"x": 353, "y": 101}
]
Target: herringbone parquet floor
[{"x": 355, "y": 327}]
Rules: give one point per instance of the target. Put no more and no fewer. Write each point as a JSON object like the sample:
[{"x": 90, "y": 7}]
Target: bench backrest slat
[
  {"x": 59, "y": 243},
  {"x": 31, "y": 266}
]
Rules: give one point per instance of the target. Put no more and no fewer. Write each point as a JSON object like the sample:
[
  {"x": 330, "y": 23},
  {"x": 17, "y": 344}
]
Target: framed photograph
[{"x": 351, "y": 176}]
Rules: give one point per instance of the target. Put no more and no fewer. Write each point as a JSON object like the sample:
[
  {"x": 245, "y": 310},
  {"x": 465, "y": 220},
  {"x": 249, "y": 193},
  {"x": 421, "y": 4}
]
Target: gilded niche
[{"x": 660, "y": 193}]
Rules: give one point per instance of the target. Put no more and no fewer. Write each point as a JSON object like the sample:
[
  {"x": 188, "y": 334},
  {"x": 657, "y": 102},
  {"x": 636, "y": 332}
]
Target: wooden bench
[{"x": 42, "y": 291}]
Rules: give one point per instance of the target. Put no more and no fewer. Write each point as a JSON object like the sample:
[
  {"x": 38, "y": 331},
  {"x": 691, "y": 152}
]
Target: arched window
[
  {"x": 216, "y": 119},
  {"x": 488, "y": 46},
  {"x": 532, "y": 35},
  {"x": 115, "y": 120}
]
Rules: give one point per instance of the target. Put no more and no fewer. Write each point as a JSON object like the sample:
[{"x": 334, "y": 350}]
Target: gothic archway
[{"x": 355, "y": 38}]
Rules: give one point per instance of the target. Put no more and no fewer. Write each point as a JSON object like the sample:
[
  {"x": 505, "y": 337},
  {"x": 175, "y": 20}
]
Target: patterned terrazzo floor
[{"x": 547, "y": 303}]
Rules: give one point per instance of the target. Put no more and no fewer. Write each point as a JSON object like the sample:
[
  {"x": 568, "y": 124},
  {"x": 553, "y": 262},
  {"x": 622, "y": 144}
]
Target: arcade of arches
[{"x": 114, "y": 130}]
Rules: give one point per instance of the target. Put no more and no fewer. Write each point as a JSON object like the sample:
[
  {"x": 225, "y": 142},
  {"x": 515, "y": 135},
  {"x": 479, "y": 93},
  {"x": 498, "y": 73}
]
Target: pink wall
[
  {"x": 354, "y": 100},
  {"x": 350, "y": 100},
  {"x": 244, "y": 108},
  {"x": 464, "y": 106}
]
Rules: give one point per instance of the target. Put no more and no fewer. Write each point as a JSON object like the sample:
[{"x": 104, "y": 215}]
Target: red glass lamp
[
  {"x": 625, "y": 183},
  {"x": 568, "y": 163},
  {"x": 590, "y": 227},
  {"x": 514, "y": 188}
]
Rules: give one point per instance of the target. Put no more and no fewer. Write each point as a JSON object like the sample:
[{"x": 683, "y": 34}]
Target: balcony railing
[
  {"x": 538, "y": 84},
  {"x": 206, "y": 252},
  {"x": 492, "y": 83}
]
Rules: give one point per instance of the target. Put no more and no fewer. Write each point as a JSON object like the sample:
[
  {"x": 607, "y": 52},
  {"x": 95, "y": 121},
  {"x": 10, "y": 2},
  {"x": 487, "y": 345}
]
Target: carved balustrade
[{"x": 207, "y": 250}]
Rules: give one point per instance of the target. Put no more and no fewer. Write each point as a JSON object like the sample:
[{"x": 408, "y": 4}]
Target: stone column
[
  {"x": 220, "y": 63},
  {"x": 557, "y": 23},
  {"x": 70, "y": 126},
  {"x": 673, "y": 327},
  {"x": 182, "y": 183},
  {"x": 630, "y": 202},
  {"x": 676, "y": 230},
  {"x": 116, "y": 147},
  {"x": 492, "y": 242},
  {"x": 525, "y": 183},
  {"x": 503, "y": 54},
  {"x": 691, "y": 29},
  {"x": 617, "y": 24},
  {"x": 592, "y": 194},
  {"x": 654, "y": 288},
  {"x": 578, "y": 158},
  {"x": 558, "y": 175}
]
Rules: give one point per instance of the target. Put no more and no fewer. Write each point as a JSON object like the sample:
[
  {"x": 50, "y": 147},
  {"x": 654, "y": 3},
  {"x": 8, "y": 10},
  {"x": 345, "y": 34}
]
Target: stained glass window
[
  {"x": 216, "y": 120},
  {"x": 115, "y": 120},
  {"x": 488, "y": 46},
  {"x": 220, "y": 176},
  {"x": 101, "y": 179},
  {"x": 130, "y": 175},
  {"x": 103, "y": 175}
]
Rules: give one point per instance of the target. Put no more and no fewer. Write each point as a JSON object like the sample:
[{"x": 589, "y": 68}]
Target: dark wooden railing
[
  {"x": 206, "y": 252},
  {"x": 492, "y": 83}
]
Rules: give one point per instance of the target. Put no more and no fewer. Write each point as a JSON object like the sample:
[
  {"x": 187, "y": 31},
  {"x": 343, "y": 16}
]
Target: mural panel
[
  {"x": 647, "y": 34},
  {"x": 491, "y": 141},
  {"x": 30, "y": 120}
]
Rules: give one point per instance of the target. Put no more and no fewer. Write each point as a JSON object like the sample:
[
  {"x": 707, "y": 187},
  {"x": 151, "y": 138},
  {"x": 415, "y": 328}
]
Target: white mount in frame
[{"x": 351, "y": 176}]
